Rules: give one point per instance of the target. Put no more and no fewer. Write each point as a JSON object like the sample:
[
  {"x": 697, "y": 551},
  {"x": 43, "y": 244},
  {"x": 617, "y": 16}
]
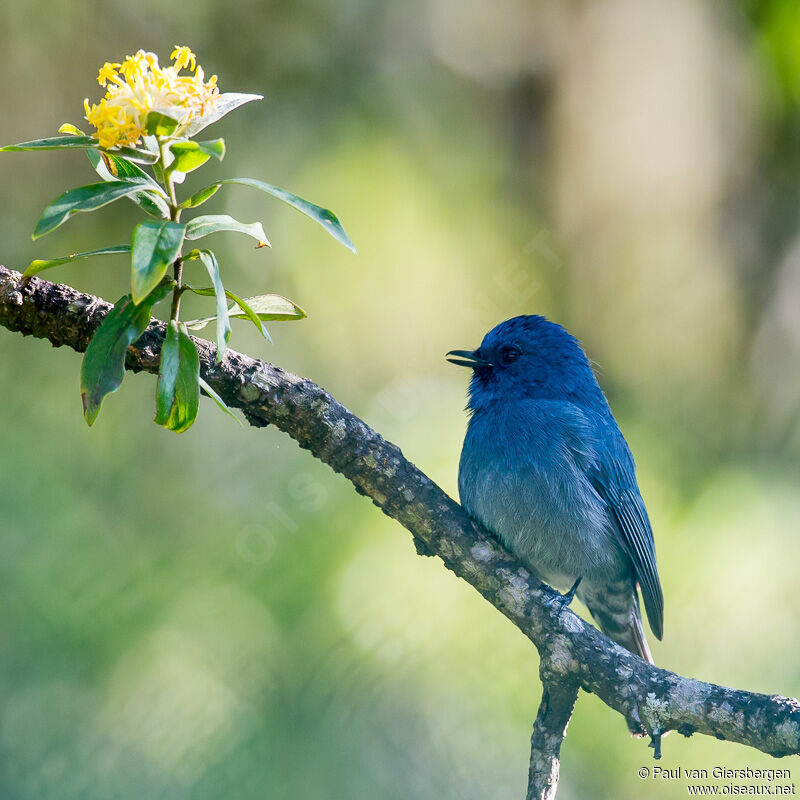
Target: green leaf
[
  {"x": 160, "y": 124},
  {"x": 39, "y": 265},
  {"x": 245, "y": 312},
  {"x": 151, "y": 146},
  {"x": 214, "y": 147},
  {"x": 169, "y": 361},
  {"x": 84, "y": 198},
  {"x": 259, "y": 309},
  {"x": 223, "y": 104},
  {"x": 111, "y": 167},
  {"x": 155, "y": 246},
  {"x": 269, "y": 307},
  {"x": 219, "y": 401},
  {"x": 200, "y": 197},
  {"x": 70, "y": 142},
  {"x": 103, "y": 366},
  {"x": 187, "y": 158},
  {"x": 212, "y": 223},
  {"x": 323, "y": 216},
  {"x": 243, "y": 308},
  {"x": 135, "y": 154},
  {"x": 178, "y": 386},
  {"x": 223, "y": 323},
  {"x": 80, "y": 142},
  {"x": 191, "y": 155}
]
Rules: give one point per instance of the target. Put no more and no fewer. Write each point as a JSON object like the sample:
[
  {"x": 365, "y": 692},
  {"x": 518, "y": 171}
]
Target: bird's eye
[{"x": 508, "y": 355}]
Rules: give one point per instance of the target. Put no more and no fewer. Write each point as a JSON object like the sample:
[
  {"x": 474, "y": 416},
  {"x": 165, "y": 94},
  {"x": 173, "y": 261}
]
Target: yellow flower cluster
[{"x": 138, "y": 86}]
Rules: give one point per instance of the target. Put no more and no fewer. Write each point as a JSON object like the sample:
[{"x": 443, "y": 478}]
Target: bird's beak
[{"x": 468, "y": 358}]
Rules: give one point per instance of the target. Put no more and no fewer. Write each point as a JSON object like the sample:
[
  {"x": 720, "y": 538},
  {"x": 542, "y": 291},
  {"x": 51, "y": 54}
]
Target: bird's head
[{"x": 528, "y": 356}]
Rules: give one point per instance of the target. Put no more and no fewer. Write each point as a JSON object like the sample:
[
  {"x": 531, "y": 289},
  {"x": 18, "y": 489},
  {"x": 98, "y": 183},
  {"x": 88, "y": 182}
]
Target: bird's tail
[
  {"x": 622, "y": 622},
  {"x": 637, "y": 636}
]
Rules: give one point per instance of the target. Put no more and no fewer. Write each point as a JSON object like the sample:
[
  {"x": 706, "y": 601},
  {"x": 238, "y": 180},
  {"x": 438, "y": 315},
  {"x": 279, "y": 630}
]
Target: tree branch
[
  {"x": 652, "y": 700},
  {"x": 549, "y": 730}
]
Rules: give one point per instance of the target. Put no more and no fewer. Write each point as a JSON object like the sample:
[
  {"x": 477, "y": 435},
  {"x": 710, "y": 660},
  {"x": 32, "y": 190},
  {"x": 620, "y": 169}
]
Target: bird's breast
[{"x": 521, "y": 478}]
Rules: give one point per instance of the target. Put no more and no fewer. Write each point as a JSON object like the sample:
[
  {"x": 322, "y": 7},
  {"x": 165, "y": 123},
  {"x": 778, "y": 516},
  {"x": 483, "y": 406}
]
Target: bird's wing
[{"x": 614, "y": 480}]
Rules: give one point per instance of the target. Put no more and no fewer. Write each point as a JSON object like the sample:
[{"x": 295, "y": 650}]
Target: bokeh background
[{"x": 216, "y": 614}]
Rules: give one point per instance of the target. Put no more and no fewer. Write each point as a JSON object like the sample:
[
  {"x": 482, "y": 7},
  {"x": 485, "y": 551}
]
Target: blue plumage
[{"x": 546, "y": 469}]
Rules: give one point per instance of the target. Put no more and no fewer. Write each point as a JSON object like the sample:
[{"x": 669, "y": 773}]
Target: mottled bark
[
  {"x": 549, "y": 729},
  {"x": 652, "y": 700}
]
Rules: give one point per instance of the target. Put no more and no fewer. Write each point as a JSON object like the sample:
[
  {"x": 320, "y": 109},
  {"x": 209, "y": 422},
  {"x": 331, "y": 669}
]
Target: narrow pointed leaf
[
  {"x": 240, "y": 306},
  {"x": 200, "y": 197},
  {"x": 167, "y": 373},
  {"x": 325, "y": 217},
  {"x": 223, "y": 323},
  {"x": 79, "y": 141},
  {"x": 139, "y": 155},
  {"x": 40, "y": 265},
  {"x": 242, "y": 310},
  {"x": 155, "y": 246},
  {"x": 136, "y": 154},
  {"x": 223, "y": 104},
  {"x": 178, "y": 386},
  {"x": 69, "y": 142},
  {"x": 84, "y": 198},
  {"x": 258, "y": 309},
  {"x": 111, "y": 167},
  {"x": 270, "y": 307},
  {"x": 103, "y": 366},
  {"x": 221, "y": 404},
  {"x": 213, "y": 223}
]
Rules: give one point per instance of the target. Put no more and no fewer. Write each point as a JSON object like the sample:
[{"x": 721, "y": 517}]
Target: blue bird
[{"x": 546, "y": 469}]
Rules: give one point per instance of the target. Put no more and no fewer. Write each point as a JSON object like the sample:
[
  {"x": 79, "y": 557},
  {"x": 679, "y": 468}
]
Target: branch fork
[{"x": 574, "y": 654}]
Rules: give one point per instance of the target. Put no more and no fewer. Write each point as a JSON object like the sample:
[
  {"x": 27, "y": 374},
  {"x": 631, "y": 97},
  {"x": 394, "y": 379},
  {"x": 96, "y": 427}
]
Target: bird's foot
[{"x": 565, "y": 600}]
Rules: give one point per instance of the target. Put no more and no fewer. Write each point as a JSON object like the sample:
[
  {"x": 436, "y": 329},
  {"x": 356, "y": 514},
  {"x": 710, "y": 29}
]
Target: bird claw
[{"x": 565, "y": 600}]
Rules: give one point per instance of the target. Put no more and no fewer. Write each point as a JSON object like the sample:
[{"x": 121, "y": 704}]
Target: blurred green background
[{"x": 216, "y": 614}]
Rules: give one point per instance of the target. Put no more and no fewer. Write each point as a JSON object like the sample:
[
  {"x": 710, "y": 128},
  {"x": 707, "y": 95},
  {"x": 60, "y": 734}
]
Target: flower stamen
[{"x": 138, "y": 86}]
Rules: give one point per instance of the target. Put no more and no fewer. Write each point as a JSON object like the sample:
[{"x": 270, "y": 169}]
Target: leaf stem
[
  {"x": 175, "y": 215},
  {"x": 177, "y": 291},
  {"x": 175, "y": 212}
]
